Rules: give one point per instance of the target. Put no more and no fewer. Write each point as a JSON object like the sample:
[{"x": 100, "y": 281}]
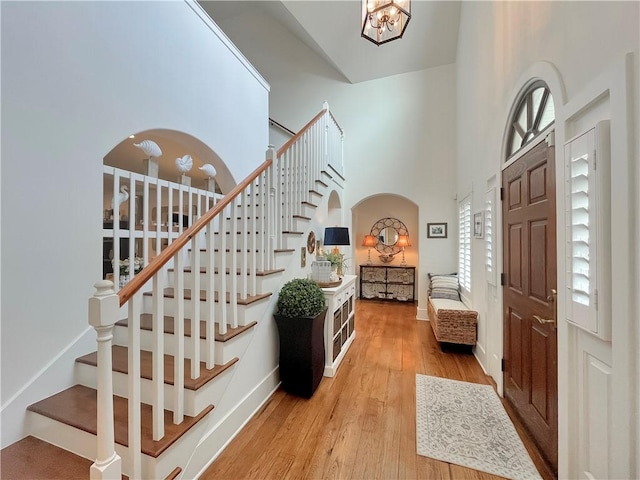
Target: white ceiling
[{"x": 332, "y": 29}]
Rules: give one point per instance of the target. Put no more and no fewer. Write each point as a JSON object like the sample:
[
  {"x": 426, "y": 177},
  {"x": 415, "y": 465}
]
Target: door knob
[
  {"x": 544, "y": 320},
  {"x": 554, "y": 309}
]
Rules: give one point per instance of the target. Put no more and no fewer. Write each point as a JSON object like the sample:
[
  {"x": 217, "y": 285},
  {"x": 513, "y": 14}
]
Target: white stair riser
[
  {"x": 223, "y": 351},
  {"x": 217, "y": 260},
  {"x": 264, "y": 283},
  {"x": 194, "y": 401},
  {"x": 244, "y": 314},
  {"x": 84, "y": 444}
]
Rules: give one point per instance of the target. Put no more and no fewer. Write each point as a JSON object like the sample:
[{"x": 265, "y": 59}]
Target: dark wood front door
[{"x": 529, "y": 265}]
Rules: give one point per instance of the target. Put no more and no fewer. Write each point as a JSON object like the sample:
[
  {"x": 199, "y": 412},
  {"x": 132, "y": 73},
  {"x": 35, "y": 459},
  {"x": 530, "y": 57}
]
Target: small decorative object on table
[{"x": 125, "y": 271}]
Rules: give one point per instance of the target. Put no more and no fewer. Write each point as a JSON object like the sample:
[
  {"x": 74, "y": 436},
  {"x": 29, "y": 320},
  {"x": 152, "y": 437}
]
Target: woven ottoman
[{"x": 452, "y": 321}]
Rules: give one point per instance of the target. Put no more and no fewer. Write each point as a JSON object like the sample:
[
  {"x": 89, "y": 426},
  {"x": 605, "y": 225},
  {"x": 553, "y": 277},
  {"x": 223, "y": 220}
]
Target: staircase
[{"x": 171, "y": 340}]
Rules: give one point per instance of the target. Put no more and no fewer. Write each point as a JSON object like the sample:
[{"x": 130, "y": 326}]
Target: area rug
[{"x": 465, "y": 423}]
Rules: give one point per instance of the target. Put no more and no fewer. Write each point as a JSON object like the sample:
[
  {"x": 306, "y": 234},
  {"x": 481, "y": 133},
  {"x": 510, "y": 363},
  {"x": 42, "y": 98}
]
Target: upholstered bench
[{"x": 452, "y": 321}]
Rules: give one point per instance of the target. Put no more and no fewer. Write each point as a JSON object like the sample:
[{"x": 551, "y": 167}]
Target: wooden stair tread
[
  {"x": 170, "y": 293},
  {"x": 259, "y": 273},
  {"x": 284, "y": 250},
  {"x": 32, "y": 458},
  {"x": 146, "y": 323},
  {"x": 322, "y": 183},
  {"x": 121, "y": 365},
  {"x": 309, "y": 204},
  {"x": 77, "y": 407},
  {"x": 301, "y": 217},
  {"x": 290, "y": 232}
]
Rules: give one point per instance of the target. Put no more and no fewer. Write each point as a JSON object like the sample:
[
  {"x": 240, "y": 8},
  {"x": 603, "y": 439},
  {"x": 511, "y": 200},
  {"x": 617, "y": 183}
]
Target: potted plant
[
  {"x": 300, "y": 315},
  {"x": 337, "y": 262}
]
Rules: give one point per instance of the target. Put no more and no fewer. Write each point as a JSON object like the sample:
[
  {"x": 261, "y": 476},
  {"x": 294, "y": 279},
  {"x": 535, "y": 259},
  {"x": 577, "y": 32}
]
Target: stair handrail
[
  {"x": 283, "y": 179},
  {"x": 154, "y": 266}
]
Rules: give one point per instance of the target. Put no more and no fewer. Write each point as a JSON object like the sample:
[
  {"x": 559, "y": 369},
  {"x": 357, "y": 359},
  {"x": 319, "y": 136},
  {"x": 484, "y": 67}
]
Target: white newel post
[{"x": 103, "y": 313}]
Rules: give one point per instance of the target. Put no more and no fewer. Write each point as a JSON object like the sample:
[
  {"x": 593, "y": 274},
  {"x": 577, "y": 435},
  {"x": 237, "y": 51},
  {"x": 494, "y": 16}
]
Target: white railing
[
  {"x": 231, "y": 240},
  {"x": 155, "y": 213}
]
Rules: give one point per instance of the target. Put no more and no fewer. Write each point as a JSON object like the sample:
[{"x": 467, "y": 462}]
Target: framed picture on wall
[
  {"x": 478, "y": 224},
  {"x": 436, "y": 230}
]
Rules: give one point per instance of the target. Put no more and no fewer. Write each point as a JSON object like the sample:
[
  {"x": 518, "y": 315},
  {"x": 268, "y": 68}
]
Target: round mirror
[
  {"x": 388, "y": 236},
  {"x": 386, "y": 231}
]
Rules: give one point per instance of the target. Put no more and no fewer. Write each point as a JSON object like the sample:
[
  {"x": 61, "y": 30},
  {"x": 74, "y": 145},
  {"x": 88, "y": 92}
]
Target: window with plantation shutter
[
  {"x": 588, "y": 212},
  {"x": 464, "y": 246},
  {"x": 489, "y": 249}
]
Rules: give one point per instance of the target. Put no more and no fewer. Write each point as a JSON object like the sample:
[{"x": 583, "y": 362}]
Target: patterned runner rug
[{"x": 465, "y": 423}]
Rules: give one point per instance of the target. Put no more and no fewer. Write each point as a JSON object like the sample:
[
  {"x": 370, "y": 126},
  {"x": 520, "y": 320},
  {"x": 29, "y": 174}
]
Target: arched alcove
[
  {"x": 154, "y": 201},
  {"x": 173, "y": 144},
  {"x": 371, "y": 209}
]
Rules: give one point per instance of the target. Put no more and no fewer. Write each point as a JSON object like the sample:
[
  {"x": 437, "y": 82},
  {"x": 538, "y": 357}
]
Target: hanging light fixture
[{"x": 385, "y": 20}]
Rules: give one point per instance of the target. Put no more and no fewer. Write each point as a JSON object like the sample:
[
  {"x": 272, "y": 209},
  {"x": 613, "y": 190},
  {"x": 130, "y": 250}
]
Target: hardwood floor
[{"x": 361, "y": 423}]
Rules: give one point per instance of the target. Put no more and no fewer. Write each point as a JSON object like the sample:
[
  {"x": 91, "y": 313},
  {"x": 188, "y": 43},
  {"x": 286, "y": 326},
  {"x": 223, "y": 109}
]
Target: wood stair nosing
[
  {"x": 291, "y": 232},
  {"x": 146, "y": 323},
  {"x": 309, "y": 204},
  {"x": 259, "y": 273},
  {"x": 315, "y": 192},
  {"x": 169, "y": 292},
  {"x": 284, "y": 250},
  {"x": 300, "y": 217},
  {"x": 31, "y": 458},
  {"x": 322, "y": 183},
  {"x": 120, "y": 364},
  {"x": 77, "y": 407}
]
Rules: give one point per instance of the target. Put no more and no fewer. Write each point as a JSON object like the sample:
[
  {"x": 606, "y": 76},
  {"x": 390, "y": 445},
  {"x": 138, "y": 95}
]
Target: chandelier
[{"x": 385, "y": 20}]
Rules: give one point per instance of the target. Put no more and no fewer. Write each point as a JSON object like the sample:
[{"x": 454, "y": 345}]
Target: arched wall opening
[{"x": 371, "y": 209}]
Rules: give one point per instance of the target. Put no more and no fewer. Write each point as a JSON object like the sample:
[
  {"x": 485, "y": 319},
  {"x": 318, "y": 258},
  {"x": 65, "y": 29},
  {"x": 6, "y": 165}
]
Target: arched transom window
[{"x": 535, "y": 112}]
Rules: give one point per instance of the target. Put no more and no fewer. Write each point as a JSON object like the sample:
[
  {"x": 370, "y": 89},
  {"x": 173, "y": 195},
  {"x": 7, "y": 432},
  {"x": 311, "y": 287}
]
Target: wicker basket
[{"x": 453, "y": 326}]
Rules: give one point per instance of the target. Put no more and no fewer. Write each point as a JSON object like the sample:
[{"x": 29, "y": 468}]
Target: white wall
[
  {"x": 77, "y": 78},
  {"x": 578, "y": 48},
  {"x": 399, "y": 131}
]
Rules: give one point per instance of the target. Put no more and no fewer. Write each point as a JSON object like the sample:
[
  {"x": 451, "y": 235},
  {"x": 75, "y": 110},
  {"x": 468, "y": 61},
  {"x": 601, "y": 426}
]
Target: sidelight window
[{"x": 464, "y": 244}]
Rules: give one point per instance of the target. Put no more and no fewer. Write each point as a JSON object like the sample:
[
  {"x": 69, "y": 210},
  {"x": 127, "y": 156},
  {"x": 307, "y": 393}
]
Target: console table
[
  {"x": 339, "y": 325},
  {"x": 383, "y": 282}
]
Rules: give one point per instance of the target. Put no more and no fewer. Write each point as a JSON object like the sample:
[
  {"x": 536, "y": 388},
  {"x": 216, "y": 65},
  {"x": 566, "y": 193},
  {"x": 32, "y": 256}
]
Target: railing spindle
[{"x": 134, "y": 399}]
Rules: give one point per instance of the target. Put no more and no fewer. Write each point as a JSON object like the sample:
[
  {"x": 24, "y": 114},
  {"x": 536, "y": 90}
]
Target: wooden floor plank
[{"x": 361, "y": 423}]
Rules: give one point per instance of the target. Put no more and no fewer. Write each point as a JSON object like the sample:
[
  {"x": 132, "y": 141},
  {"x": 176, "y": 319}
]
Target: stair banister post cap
[{"x": 104, "y": 305}]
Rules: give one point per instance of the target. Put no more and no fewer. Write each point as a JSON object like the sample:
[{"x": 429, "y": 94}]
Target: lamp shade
[
  {"x": 336, "y": 236},
  {"x": 403, "y": 241},
  {"x": 369, "y": 241}
]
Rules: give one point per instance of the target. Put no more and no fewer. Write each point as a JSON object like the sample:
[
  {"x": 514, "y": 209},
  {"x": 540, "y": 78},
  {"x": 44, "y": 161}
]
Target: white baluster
[
  {"x": 244, "y": 264},
  {"x": 233, "y": 268},
  {"x": 211, "y": 304},
  {"x": 178, "y": 362},
  {"x": 134, "y": 399},
  {"x": 103, "y": 313},
  {"x": 195, "y": 299},
  {"x": 158, "y": 356}
]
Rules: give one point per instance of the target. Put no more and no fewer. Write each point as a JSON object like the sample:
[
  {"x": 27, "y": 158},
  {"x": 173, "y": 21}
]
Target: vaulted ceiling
[{"x": 332, "y": 29}]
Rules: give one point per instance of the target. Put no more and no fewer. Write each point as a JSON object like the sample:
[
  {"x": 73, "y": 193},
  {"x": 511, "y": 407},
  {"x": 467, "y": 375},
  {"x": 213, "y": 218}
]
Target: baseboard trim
[
  {"x": 55, "y": 376},
  {"x": 228, "y": 427},
  {"x": 422, "y": 314}
]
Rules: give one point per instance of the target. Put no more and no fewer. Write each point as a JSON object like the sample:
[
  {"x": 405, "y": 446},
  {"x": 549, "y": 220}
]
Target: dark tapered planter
[{"x": 301, "y": 353}]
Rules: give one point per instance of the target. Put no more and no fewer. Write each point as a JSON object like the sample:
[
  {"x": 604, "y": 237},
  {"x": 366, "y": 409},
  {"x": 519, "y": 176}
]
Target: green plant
[
  {"x": 300, "y": 297},
  {"x": 336, "y": 259}
]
